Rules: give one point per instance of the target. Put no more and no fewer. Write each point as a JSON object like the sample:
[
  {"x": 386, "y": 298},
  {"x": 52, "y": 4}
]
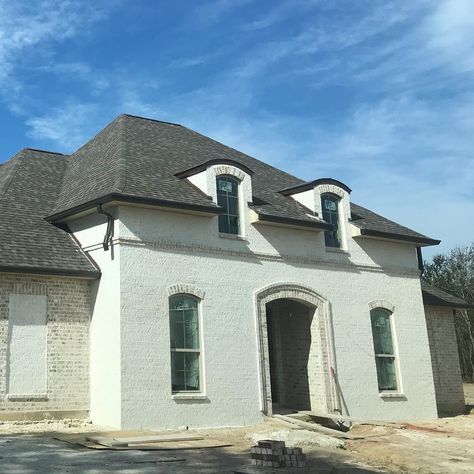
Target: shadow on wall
[{"x": 387, "y": 254}]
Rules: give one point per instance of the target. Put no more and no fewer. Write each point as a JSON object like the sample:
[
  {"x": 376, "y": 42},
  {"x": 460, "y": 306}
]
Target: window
[
  {"x": 27, "y": 364},
  {"x": 330, "y": 205},
  {"x": 185, "y": 345},
  {"x": 228, "y": 198},
  {"x": 384, "y": 350}
]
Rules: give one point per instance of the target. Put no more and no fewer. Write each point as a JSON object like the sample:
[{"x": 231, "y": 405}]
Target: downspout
[
  {"x": 110, "y": 227},
  {"x": 421, "y": 265}
]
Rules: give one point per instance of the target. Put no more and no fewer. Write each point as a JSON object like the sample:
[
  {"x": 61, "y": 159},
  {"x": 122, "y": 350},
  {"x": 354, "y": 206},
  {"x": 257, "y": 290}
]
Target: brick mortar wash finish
[{"x": 160, "y": 279}]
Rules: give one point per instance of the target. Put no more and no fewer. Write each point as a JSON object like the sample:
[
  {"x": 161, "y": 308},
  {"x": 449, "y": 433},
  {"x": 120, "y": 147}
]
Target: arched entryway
[{"x": 295, "y": 344}]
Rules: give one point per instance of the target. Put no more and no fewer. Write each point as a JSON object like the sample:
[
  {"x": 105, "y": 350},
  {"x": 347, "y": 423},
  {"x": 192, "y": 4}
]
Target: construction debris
[
  {"x": 272, "y": 453},
  {"x": 141, "y": 440},
  {"x": 314, "y": 427}
]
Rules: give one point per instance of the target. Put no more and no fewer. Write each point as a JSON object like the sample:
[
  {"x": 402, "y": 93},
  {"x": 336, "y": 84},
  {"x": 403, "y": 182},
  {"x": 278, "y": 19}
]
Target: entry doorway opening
[{"x": 295, "y": 357}]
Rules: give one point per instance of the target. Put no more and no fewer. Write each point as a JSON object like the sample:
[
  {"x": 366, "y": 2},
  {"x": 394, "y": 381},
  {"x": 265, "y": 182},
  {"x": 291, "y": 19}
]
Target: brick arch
[
  {"x": 332, "y": 189},
  {"x": 230, "y": 171},
  {"x": 311, "y": 299},
  {"x": 382, "y": 304},
  {"x": 186, "y": 288}
]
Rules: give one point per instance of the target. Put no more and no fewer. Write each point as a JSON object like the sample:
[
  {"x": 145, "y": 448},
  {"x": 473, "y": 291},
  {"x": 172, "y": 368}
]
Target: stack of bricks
[{"x": 274, "y": 454}]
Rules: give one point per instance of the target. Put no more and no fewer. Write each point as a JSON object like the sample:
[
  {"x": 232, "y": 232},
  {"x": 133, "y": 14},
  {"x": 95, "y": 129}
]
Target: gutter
[
  {"x": 294, "y": 221},
  {"x": 51, "y": 272},
  {"x": 390, "y": 235},
  {"x": 58, "y": 216}
]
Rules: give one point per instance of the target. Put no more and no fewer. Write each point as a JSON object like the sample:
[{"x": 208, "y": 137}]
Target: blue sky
[{"x": 378, "y": 94}]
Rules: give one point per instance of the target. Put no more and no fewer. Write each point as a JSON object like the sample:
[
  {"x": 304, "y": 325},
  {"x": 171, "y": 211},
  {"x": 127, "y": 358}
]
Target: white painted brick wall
[
  {"x": 155, "y": 250},
  {"x": 445, "y": 360},
  {"x": 68, "y": 316},
  {"x": 161, "y": 249}
]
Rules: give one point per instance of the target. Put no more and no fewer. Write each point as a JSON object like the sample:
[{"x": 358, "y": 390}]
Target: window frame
[
  {"x": 199, "y": 350},
  {"x": 238, "y": 183},
  {"x": 393, "y": 355},
  {"x": 327, "y": 233}
]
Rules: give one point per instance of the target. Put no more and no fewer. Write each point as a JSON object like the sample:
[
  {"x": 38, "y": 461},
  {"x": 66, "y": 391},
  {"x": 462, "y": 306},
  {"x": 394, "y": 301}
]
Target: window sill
[
  {"x": 189, "y": 396},
  {"x": 336, "y": 250},
  {"x": 392, "y": 395},
  {"x": 223, "y": 235},
  {"x": 37, "y": 397}
]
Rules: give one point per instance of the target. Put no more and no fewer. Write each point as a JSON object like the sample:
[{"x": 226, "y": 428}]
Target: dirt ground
[{"x": 441, "y": 446}]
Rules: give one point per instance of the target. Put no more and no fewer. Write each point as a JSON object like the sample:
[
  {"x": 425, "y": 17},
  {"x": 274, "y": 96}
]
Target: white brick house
[{"x": 156, "y": 278}]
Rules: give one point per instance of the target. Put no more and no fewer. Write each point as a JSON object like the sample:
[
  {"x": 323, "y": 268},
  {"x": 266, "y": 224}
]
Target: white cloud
[
  {"x": 68, "y": 126},
  {"x": 28, "y": 29},
  {"x": 404, "y": 148}
]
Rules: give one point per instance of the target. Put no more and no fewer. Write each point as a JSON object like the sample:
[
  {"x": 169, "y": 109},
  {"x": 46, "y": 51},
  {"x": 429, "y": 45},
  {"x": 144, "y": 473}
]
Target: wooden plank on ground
[
  {"x": 104, "y": 441},
  {"x": 157, "y": 438}
]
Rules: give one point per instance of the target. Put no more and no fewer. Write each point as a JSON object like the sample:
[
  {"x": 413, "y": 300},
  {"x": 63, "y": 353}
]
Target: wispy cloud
[
  {"x": 400, "y": 133},
  {"x": 68, "y": 126},
  {"x": 28, "y": 29}
]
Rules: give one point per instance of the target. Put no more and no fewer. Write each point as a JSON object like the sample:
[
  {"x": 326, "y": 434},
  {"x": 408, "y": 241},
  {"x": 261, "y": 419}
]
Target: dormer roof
[{"x": 299, "y": 188}]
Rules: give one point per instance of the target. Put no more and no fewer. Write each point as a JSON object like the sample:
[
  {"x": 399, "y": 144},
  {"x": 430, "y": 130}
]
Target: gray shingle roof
[
  {"x": 135, "y": 157},
  {"x": 29, "y": 185},
  {"x": 376, "y": 225},
  {"x": 435, "y": 297}
]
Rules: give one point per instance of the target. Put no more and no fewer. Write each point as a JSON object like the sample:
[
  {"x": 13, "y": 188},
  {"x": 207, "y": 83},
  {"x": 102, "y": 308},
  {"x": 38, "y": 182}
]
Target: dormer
[
  {"x": 327, "y": 199},
  {"x": 229, "y": 184}
]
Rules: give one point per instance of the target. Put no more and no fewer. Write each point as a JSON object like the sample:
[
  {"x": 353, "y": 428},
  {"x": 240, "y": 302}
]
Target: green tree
[{"x": 454, "y": 273}]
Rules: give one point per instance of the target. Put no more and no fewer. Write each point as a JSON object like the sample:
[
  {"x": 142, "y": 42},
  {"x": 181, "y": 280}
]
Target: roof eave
[
  {"x": 432, "y": 300},
  {"x": 422, "y": 241},
  {"x": 294, "y": 222},
  {"x": 90, "y": 274},
  {"x": 59, "y": 216}
]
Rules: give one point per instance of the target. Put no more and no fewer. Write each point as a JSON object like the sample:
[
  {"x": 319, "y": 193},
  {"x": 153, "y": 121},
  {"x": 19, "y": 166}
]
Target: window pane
[
  {"x": 191, "y": 329},
  {"x": 386, "y": 373},
  {"x": 226, "y": 185},
  {"x": 177, "y": 371},
  {"x": 182, "y": 302},
  {"x": 233, "y": 225},
  {"x": 233, "y": 205},
  {"x": 381, "y": 331},
  {"x": 330, "y": 207},
  {"x": 224, "y": 223},
  {"x": 184, "y": 323},
  {"x": 192, "y": 370},
  {"x": 228, "y": 199},
  {"x": 184, "y": 371},
  {"x": 176, "y": 332}
]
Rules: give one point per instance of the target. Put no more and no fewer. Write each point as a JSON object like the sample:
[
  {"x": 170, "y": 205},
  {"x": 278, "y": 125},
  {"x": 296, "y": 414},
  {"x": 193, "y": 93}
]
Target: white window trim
[
  {"x": 242, "y": 209},
  {"x": 398, "y": 392},
  {"x": 190, "y": 394}
]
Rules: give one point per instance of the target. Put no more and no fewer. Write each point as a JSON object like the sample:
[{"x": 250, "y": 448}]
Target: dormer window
[
  {"x": 228, "y": 199},
  {"x": 330, "y": 212}
]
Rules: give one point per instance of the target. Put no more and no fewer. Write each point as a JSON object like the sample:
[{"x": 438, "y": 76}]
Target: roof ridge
[
  {"x": 122, "y": 176},
  {"x": 44, "y": 151},
  {"x": 153, "y": 120},
  {"x": 17, "y": 162}
]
